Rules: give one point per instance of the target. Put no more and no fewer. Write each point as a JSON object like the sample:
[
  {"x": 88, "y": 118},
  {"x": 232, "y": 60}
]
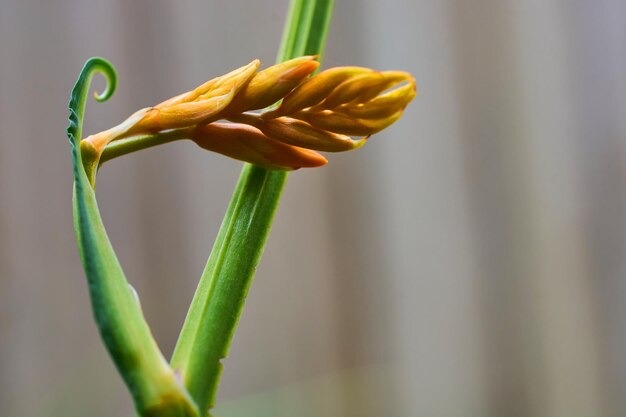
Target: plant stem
[
  {"x": 135, "y": 143},
  {"x": 220, "y": 296}
]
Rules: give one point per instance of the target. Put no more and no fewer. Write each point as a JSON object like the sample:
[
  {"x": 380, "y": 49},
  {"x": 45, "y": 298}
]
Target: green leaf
[
  {"x": 153, "y": 385},
  {"x": 218, "y": 302}
]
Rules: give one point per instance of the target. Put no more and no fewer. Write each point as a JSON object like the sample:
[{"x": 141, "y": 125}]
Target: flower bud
[
  {"x": 247, "y": 143},
  {"x": 381, "y": 106},
  {"x": 302, "y": 134},
  {"x": 392, "y": 79},
  {"x": 272, "y": 84},
  {"x": 197, "y": 106},
  {"x": 315, "y": 89},
  {"x": 340, "y": 123},
  {"x": 209, "y": 87},
  {"x": 363, "y": 88}
]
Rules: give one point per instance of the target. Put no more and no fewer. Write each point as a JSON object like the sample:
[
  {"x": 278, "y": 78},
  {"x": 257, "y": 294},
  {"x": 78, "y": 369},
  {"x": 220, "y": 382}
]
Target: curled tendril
[{"x": 79, "y": 96}]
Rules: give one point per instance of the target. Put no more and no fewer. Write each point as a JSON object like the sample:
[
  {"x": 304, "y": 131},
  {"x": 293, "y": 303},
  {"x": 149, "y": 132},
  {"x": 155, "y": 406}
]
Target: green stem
[
  {"x": 136, "y": 143},
  {"x": 219, "y": 299}
]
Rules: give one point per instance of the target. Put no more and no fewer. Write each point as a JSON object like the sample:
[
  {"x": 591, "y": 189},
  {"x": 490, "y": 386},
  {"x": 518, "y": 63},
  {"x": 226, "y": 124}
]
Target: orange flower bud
[
  {"x": 302, "y": 134},
  {"x": 364, "y": 87},
  {"x": 315, "y": 89},
  {"x": 350, "y": 90},
  {"x": 272, "y": 84},
  {"x": 340, "y": 123},
  {"x": 392, "y": 79},
  {"x": 215, "y": 86},
  {"x": 249, "y": 144},
  {"x": 381, "y": 106},
  {"x": 347, "y": 101},
  {"x": 197, "y": 106}
]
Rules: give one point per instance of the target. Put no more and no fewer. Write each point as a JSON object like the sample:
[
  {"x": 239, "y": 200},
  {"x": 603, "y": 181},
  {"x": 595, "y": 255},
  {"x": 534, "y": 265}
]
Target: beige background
[{"x": 468, "y": 262}]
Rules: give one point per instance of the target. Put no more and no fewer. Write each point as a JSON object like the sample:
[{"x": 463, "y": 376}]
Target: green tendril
[
  {"x": 76, "y": 106},
  {"x": 79, "y": 94}
]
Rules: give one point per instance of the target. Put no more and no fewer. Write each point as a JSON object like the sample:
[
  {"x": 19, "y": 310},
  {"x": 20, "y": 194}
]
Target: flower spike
[{"x": 319, "y": 113}]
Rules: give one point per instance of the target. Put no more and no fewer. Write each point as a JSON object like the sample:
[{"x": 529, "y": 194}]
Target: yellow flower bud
[
  {"x": 315, "y": 89},
  {"x": 340, "y": 123},
  {"x": 392, "y": 79},
  {"x": 197, "y": 106},
  {"x": 272, "y": 84},
  {"x": 381, "y": 106},
  {"x": 215, "y": 86},
  {"x": 363, "y": 87},
  {"x": 302, "y": 134},
  {"x": 347, "y": 101},
  {"x": 247, "y": 143}
]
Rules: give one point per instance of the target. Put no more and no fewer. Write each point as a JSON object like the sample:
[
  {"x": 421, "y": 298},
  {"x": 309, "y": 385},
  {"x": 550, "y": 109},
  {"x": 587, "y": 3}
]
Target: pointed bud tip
[
  {"x": 302, "y": 70},
  {"x": 359, "y": 143},
  {"x": 315, "y": 159}
]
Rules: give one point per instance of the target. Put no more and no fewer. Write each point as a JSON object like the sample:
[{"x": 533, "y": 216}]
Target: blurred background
[{"x": 470, "y": 261}]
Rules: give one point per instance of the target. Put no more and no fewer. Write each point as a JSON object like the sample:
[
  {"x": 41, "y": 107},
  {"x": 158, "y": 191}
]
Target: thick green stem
[{"x": 219, "y": 299}]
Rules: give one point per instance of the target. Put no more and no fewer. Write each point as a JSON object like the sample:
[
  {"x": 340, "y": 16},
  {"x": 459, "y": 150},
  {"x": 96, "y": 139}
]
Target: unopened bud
[
  {"x": 300, "y": 133},
  {"x": 247, "y": 143},
  {"x": 215, "y": 86},
  {"x": 381, "y": 106},
  {"x": 315, "y": 89},
  {"x": 340, "y": 123},
  {"x": 351, "y": 89},
  {"x": 391, "y": 79},
  {"x": 363, "y": 87},
  {"x": 272, "y": 84},
  {"x": 197, "y": 106}
]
